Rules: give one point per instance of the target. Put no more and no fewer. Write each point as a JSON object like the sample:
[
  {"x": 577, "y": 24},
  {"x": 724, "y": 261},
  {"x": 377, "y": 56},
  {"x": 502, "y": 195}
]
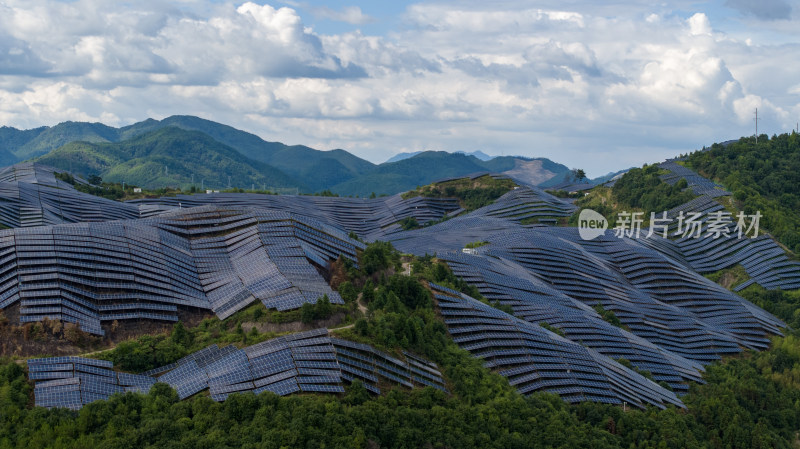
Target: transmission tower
[{"x": 756, "y": 120}]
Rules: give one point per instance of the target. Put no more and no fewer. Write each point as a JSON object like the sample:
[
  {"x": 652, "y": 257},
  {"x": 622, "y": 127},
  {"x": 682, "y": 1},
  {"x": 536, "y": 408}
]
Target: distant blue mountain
[
  {"x": 401, "y": 156},
  {"x": 479, "y": 154}
]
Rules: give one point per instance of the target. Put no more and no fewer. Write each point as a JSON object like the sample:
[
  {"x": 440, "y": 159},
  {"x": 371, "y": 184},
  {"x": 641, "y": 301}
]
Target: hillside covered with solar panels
[{"x": 467, "y": 288}]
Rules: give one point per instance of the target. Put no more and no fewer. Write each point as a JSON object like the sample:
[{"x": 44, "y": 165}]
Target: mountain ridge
[
  {"x": 151, "y": 160},
  {"x": 298, "y": 166}
]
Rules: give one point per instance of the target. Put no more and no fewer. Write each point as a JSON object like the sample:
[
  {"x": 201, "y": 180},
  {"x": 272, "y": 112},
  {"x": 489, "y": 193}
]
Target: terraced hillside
[
  {"x": 763, "y": 175},
  {"x": 717, "y": 242},
  {"x": 482, "y": 306}
]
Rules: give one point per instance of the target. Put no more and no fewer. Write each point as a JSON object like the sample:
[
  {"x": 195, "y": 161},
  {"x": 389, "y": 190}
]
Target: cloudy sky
[{"x": 594, "y": 85}]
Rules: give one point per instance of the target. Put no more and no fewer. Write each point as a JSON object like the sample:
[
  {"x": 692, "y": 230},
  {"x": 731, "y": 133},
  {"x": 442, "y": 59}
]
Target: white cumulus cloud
[{"x": 597, "y": 85}]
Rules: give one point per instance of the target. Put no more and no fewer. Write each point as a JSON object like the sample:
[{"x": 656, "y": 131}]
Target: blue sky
[
  {"x": 327, "y": 17},
  {"x": 595, "y": 85}
]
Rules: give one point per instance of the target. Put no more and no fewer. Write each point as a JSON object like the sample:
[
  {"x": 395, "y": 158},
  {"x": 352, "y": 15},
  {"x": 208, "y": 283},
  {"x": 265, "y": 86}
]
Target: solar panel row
[
  {"x": 535, "y": 359},
  {"x": 31, "y": 195},
  {"x": 72, "y": 382},
  {"x": 369, "y": 218},
  {"x": 765, "y": 262},
  {"x": 309, "y": 361},
  {"x": 214, "y": 258}
]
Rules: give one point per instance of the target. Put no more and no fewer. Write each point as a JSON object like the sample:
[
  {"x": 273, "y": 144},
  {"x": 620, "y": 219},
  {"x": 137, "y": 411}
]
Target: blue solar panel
[
  {"x": 224, "y": 252},
  {"x": 268, "y": 366}
]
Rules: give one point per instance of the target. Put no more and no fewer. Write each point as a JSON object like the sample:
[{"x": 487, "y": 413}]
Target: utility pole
[
  {"x": 756, "y": 120},
  {"x": 229, "y": 182}
]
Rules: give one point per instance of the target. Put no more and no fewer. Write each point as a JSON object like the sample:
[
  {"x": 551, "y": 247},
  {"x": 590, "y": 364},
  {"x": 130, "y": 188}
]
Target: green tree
[
  {"x": 307, "y": 313},
  {"x": 348, "y": 292},
  {"x": 578, "y": 174},
  {"x": 180, "y": 335},
  {"x": 323, "y": 307}
]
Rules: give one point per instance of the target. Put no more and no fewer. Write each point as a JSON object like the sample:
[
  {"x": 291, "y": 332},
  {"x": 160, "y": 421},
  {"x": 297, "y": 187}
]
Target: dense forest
[
  {"x": 639, "y": 190},
  {"x": 763, "y": 176},
  {"x": 642, "y": 188},
  {"x": 749, "y": 401},
  {"x": 169, "y": 157}
]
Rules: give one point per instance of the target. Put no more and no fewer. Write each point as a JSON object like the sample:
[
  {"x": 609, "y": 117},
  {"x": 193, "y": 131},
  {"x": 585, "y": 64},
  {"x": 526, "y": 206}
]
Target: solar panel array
[
  {"x": 34, "y": 173},
  {"x": 30, "y": 195},
  {"x": 655, "y": 297},
  {"x": 526, "y": 202},
  {"x": 369, "y": 218},
  {"x": 766, "y": 263},
  {"x": 642, "y": 287},
  {"x": 72, "y": 382},
  {"x": 305, "y": 362},
  {"x": 535, "y": 359},
  {"x": 536, "y": 301},
  {"x": 571, "y": 186},
  {"x": 699, "y": 184},
  {"x": 672, "y": 319},
  {"x": 451, "y": 235},
  {"x": 221, "y": 252},
  {"x": 214, "y": 258}
]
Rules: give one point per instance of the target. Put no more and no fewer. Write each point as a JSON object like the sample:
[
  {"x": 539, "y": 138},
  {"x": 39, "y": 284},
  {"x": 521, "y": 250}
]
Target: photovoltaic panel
[{"x": 302, "y": 362}]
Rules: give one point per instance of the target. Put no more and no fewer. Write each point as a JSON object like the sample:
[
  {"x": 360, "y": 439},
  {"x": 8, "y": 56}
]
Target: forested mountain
[
  {"x": 308, "y": 169},
  {"x": 409, "y": 173},
  {"x": 400, "y": 156},
  {"x": 311, "y": 169},
  {"x": 315, "y": 169},
  {"x": 430, "y": 166},
  {"x": 12, "y": 139},
  {"x": 27, "y": 144},
  {"x": 166, "y": 157}
]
